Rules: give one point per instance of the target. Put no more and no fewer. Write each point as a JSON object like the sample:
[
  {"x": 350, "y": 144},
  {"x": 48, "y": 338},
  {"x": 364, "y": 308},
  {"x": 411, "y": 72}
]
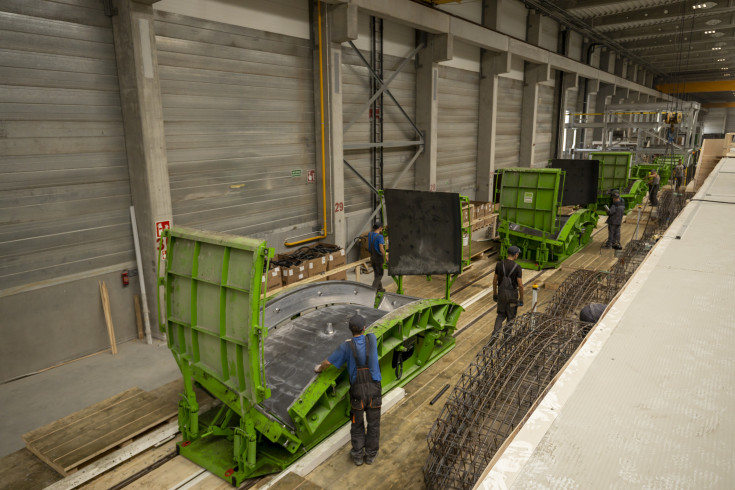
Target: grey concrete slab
[{"x": 37, "y": 400}]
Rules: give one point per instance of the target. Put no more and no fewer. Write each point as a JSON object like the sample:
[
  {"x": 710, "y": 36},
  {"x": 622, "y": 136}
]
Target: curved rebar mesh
[
  {"x": 495, "y": 393},
  {"x": 510, "y": 372},
  {"x": 577, "y": 290}
]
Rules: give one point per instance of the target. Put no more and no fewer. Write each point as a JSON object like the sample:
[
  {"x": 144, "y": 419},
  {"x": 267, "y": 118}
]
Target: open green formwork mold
[
  {"x": 530, "y": 218},
  {"x": 614, "y": 174},
  {"x": 226, "y": 338}
]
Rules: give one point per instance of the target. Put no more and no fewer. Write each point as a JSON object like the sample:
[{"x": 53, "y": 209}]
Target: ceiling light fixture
[
  {"x": 709, "y": 32},
  {"x": 716, "y": 49},
  {"x": 705, "y": 5},
  {"x": 724, "y": 68},
  {"x": 721, "y": 59}
]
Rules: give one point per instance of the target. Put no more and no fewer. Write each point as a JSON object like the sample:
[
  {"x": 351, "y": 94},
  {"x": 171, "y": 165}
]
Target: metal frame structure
[
  {"x": 379, "y": 87},
  {"x": 220, "y": 330},
  {"x": 644, "y": 127}
]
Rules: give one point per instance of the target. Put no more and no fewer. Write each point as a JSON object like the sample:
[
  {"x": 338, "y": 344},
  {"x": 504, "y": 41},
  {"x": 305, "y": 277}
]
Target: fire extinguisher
[{"x": 125, "y": 277}]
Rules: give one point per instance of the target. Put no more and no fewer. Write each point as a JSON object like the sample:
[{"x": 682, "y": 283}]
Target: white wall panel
[
  {"x": 287, "y": 17},
  {"x": 64, "y": 181},
  {"x": 64, "y": 185},
  {"x": 508, "y": 134},
  {"x": 544, "y": 115},
  {"x": 456, "y": 163},
  {"x": 238, "y": 107},
  {"x": 466, "y": 57}
]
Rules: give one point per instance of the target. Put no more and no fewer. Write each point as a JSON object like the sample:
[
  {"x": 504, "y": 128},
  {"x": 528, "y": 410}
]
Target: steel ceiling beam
[
  {"x": 676, "y": 40},
  {"x": 552, "y": 10},
  {"x": 668, "y": 12},
  {"x": 637, "y": 21},
  {"x": 624, "y": 36}
]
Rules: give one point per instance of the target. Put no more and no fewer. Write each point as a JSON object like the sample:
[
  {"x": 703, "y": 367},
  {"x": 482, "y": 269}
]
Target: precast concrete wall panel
[
  {"x": 508, "y": 133},
  {"x": 238, "y": 108},
  {"x": 64, "y": 185},
  {"x": 544, "y": 115},
  {"x": 459, "y": 98}
]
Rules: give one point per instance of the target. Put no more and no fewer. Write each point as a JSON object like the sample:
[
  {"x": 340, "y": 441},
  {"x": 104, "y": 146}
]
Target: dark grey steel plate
[{"x": 293, "y": 349}]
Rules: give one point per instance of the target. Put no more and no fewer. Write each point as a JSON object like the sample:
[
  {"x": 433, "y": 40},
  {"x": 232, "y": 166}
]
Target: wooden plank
[
  {"x": 138, "y": 316},
  {"x": 108, "y": 316},
  {"x": 104, "y": 439},
  {"x": 22, "y": 469},
  {"x": 172, "y": 474},
  {"x": 57, "y": 425},
  {"x": 70, "y": 442},
  {"x": 133, "y": 466},
  {"x": 169, "y": 394}
]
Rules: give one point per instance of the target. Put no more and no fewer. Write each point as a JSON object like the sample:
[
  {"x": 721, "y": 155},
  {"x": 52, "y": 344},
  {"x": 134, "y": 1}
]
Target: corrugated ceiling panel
[
  {"x": 508, "y": 133},
  {"x": 544, "y": 112},
  {"x": 64, "y": 187},
  {"x": 355, "y": 94},
  {"x": 459, "y": 99},
  {"x": 238, "y": 109}
]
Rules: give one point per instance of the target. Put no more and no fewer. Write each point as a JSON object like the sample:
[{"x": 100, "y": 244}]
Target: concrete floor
[{"x": 37, "y": 400}]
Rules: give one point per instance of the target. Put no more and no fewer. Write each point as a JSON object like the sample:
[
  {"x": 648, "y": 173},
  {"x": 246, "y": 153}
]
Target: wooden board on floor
[
  {"x": 68, "y": 443},
  {"x": 129, "y": 468},
  {"x": 22, "y": 469},
  {"x": 172, "y": 474},
  {"x": 75, "y": 440}
]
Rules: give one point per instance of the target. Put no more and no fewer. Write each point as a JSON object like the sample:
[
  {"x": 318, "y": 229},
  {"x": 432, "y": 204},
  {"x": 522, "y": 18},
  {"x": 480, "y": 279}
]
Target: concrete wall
[
  {"x": 48, "y": 325},
  {"x": 288, "y": 17}
]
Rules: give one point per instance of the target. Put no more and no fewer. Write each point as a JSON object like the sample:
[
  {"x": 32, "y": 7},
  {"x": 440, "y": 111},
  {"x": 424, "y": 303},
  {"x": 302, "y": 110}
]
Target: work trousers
[
  {"x": 377, "y": 260},
  {"x": 509, "y": 313},
  {"x": 369, "y": 440},
  {"x": 677, "y": 182},
  {"x": 653, "y": 195},
  {"x": 613, "y": 235}
]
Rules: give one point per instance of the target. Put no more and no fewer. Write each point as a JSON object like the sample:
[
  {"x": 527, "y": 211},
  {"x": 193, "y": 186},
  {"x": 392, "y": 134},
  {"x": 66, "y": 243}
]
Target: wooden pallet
[{"x": 73, "y": 441}]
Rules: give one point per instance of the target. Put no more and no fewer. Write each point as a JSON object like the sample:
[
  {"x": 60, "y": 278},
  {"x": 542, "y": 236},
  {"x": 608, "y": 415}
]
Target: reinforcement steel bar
[
  {"x": 494, "y": 394},
  {"x": 575, "y": 292}
]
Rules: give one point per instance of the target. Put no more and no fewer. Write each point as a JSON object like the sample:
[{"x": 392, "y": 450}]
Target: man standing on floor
[
  {"x": 614, "y": 219},
  {"x": 376, "y": 247},
  {"x": 507, "y": 288},
  {"x": 654, "y": 180},
  {"x": 678, "y": 176},
  {"x": 361, "y": 355}
]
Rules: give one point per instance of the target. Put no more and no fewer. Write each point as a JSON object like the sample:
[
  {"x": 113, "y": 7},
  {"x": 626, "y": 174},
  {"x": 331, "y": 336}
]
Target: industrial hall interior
[{"x": 388, "y": 244}]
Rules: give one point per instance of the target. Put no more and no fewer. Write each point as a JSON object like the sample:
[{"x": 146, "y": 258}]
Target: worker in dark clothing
[
  {"x": 376, "y": 247},
  {"x": 592, "y": 312},
  {"x": 654, "y": 181},
  {"x": 678, "y": 176},
  {"x": 360, "y": 353},
  {"x": 615, "y": 214},
  {"x": 507, "y": 288}
]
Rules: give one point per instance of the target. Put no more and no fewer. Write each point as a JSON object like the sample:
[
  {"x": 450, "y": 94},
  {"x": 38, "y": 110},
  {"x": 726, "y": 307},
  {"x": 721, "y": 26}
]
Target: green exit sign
[{"x": 296, "y": 172}]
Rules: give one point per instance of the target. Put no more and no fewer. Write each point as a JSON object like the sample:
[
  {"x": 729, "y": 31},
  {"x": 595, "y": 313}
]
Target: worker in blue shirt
[
  {"x": 360, "y": 353},
  {"x": 376, "y": 247}
]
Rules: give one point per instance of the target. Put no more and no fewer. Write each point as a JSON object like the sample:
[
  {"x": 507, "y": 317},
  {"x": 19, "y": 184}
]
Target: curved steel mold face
[
  {"x": 297, "y": 338},
  {"x": 317, "y": 295}
]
